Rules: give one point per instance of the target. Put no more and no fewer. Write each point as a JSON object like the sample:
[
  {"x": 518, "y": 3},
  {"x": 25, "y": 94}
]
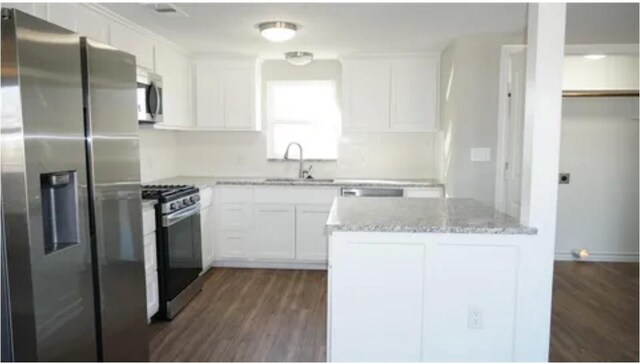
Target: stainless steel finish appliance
[
  {"x": 179, "y": 245},
  {"x": 149, "y": 96},
  {"x": 71, "y": 196},
  {"x": 371, "y": 192}
]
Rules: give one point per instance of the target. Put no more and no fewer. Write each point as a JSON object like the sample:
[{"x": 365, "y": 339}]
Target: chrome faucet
[{"x": 301, "y": 171}]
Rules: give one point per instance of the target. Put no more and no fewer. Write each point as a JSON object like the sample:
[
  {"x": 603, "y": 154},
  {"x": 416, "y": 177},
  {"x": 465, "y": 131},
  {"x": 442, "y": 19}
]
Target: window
[{"x": 306, "y": 112}]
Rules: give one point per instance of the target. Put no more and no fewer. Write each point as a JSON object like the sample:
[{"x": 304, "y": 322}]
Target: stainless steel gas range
[{"x": 178, "y": 245}]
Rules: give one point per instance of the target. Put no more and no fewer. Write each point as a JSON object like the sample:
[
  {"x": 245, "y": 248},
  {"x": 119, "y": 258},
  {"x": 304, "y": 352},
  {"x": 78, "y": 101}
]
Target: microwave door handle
[
  {"x": 176, "y": 217},
  {"x": 158, "y": 101},
  {"x": 149, "y": 89}
]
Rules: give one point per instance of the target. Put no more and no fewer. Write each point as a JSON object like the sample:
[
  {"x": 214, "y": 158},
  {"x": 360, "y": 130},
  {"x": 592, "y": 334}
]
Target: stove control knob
[
  {"x": 194, "y": 199},
  {"x": 186, "y": 202},
  {"x": 173, "y": 206}
]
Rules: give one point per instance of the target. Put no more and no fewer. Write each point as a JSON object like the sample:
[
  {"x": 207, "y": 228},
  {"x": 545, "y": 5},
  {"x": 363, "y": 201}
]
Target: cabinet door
[
  {"x": 239, "y": 97},
  {"x": 129, "y": 40},
  {"x": 273, "y": 232},
  {"x": 391, "y": 276},
  {"x": 63, "y": 14},
  {"x": 92, "y": 24},
  {"x": 414, "y": 94},
  {"x": 311, "y": 241},
  {"x": 36, "y": 9},
  {"x": 366, "y": 85},
  {"x": 209, "y": 95},
  {"x": 207, "y": 230},
  {"x": 235, "y": 220},
  {"x": 175, "y": 71}
]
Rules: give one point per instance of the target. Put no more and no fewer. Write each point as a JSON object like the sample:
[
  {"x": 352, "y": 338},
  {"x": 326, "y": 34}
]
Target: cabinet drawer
[
  {"x": 148, "y": 221},
  {"x": 232, "y": 244},
  {"x": 150, "y": 257},
  {"x": 236, "y": 195},
  {"x": 206, "y": 197},
  {"x": 235, "y": 216},
  {"x": 295, "y": 195}
]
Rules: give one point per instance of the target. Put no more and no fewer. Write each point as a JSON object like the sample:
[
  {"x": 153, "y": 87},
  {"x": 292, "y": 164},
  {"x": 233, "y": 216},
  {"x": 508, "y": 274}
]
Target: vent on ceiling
[{"x": 167, "y": 9}]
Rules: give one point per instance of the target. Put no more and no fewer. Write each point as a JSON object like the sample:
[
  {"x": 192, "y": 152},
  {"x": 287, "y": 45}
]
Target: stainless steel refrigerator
[{"x": 70, "y": 196}]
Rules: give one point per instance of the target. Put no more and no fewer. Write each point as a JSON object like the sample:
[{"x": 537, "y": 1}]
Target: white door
[
  {"x": 510, "y": 161},
  {"x": 414, "y": 90},
  {"x": 239, "y": 98},
  {"x": 311, "y": 240},
  {"x": 366, "y": 94},
  {"x": 273, "y": 232},
  {"x": 209, "y": 95}
]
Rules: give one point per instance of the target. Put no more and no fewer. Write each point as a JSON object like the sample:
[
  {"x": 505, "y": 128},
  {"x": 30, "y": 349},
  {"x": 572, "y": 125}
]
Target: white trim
[
  {"x": 600, "y": 257},
  {"x": 623, "y": 48},
  {"x": 111, "y": 15},
  {"x": 231, "y": 263},
  {"x": 501, "y": 157}
]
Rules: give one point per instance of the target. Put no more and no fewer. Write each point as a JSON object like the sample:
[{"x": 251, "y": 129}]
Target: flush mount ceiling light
[
  {"x": 594, "y": 57},
  {"x": 299, "y": 58},
  {"x": 277, "y": 31}
]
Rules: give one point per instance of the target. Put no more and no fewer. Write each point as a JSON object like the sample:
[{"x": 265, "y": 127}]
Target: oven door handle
[{"x": 178, "y": 216}]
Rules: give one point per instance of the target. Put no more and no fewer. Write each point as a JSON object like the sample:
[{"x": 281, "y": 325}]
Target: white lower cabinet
[
  {"x": 311, "y": 241},
  {"x": 150, "y": 261},
  {"x": 272, "y": 226},
  {"x": 273, "y": 232},
  {"x": 207, "y": 236}
]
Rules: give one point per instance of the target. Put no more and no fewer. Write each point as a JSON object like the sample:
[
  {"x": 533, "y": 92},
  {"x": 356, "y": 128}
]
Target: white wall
[
  {"x": 469, "y": 72},
  {"x": 598, "y": 209},
  {"x": 158, "y": 154}
]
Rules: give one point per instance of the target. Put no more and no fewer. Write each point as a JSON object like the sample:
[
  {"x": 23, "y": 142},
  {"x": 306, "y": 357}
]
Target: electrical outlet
[{"x": 474, "y": 318}]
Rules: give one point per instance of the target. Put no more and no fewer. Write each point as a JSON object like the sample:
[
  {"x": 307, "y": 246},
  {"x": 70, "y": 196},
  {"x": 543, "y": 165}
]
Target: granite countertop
[
  {"x": 267, "y": 181},
  {"x": 420, "y": 215}
]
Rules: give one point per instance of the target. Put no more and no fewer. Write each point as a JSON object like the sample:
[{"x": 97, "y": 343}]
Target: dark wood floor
[
  {"x": 595, "y": 312},
  {"x": 249, "y": 315},
  {"x": 280, "y": 315}
]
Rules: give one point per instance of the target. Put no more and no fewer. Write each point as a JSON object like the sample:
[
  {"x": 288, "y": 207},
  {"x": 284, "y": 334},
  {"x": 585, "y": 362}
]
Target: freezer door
[
  {"x": 44, "y": 192},
  {"x": 114, "y": 179}
]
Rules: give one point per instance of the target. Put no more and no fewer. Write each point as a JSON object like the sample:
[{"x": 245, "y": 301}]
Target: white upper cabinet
[
  {"x": 36, "y": 9},
  {"x": 391, "y": 94},
  {"x": 129, "y": 40},
  {"x": 175, "y": 69},
  {"x": 366, "y": 94},
  {"x": 80, "y": 19},
  {"x": 225, "y": 94},
  {"x": 414, "y": 97}
]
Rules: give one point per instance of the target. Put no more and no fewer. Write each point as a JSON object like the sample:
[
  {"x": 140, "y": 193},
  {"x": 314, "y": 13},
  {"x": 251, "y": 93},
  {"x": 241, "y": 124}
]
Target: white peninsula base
[{"x": 431, "y": 296}]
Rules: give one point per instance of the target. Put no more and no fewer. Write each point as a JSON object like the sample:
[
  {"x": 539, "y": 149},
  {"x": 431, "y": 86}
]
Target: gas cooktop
[{"x": 165, "y": 193}]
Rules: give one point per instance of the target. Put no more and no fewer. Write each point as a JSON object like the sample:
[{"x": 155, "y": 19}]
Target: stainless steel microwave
[{"x": 149, "y": 97}]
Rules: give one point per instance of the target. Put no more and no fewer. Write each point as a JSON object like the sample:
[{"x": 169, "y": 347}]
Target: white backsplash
[
  {"x": 158, "y": 154},
  {"x": 389, "y": 155}
]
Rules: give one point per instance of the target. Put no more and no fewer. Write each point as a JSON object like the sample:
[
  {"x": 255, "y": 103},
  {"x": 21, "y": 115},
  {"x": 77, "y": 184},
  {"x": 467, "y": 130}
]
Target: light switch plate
[{"x": 481, "y": 154}]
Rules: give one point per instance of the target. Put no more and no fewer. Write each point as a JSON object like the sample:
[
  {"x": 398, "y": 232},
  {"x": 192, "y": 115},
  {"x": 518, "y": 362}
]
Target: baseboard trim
[
  {"x": 269, "y": 264},
  {"x": 600, "y": 257}
]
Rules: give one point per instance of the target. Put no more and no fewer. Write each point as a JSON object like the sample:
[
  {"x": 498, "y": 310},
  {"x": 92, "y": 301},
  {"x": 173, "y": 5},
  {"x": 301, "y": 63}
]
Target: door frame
[{"x": 503, "y": 115}]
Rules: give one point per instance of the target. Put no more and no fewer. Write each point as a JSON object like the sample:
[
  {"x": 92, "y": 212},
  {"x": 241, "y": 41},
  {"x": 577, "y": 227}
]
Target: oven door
[{"x": 183, "y": 260}]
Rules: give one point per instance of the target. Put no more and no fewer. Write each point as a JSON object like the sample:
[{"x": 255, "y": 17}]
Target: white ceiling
[
  {"x": 334, "y": 29},
  {"x": 329, "y": 30}
]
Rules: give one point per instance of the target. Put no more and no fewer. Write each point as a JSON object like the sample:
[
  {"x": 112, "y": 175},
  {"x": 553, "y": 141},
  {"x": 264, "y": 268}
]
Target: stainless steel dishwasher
[{"x": 372, "y": 192}]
